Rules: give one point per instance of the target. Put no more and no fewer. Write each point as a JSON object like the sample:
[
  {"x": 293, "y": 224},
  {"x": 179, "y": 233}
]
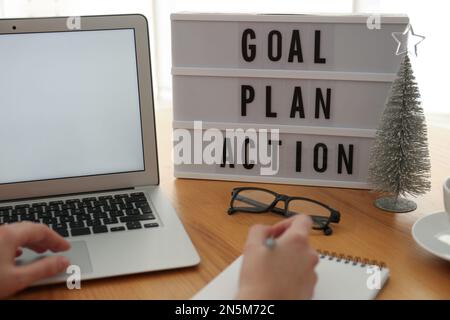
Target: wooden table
[{"x": 219, "y": 238}]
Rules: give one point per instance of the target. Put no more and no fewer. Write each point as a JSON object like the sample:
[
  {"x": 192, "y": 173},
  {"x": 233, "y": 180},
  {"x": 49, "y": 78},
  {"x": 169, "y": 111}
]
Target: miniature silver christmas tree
[{"x": 400, "y": 162}]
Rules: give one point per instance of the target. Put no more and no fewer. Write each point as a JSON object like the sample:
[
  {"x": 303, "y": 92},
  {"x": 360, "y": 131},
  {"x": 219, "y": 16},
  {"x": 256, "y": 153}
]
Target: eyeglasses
[{"x": 258, "y": 200}]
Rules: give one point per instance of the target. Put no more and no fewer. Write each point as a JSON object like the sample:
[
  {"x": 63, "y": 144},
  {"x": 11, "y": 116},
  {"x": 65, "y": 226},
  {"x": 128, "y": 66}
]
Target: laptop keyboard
[{"x": 84, "y": 216}]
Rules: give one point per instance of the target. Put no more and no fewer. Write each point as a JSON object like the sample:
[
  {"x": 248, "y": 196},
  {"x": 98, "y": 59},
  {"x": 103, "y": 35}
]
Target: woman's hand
[
  {"x": 285, "y": 271},
  {"x": 37, "y": 237}
]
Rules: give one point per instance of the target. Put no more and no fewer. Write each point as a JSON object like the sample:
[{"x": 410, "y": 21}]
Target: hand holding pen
[{"x": 272, "y": 252}]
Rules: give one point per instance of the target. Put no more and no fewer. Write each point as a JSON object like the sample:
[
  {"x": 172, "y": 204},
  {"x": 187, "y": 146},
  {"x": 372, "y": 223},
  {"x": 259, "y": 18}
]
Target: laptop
[{"x": 78, "y": 144}]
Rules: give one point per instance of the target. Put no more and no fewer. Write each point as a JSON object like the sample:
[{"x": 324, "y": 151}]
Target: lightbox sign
[{"x": 322, "y": 81}]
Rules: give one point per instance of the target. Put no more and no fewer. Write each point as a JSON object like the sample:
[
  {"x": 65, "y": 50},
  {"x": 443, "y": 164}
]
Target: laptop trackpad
[{"x": 77, "y": 255}]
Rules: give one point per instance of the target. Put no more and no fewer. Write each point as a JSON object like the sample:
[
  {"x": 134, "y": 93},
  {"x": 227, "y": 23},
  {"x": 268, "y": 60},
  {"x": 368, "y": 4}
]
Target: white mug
[{"x": 447, "y": 196}]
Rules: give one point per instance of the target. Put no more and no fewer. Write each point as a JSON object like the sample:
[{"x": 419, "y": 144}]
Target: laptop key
[
  {"x": 35, "y": 210},
  {"x": 38, "y": 204},
  {"x": 134, "y": 225},
  {"x": 72, "y": 206},
  {"x": 59, "y": 226},
  {"x": 113, "y": 214},
  {"x": 105, "y": 197},
  {"x": 87, "y": 204},
  {"x": 151, "y": 225},
  {"x": 55, "y": 203},
  {"x": 115, "y": 201},
  {"x": 84, "y": 217},
  {"x": 80, "y": 232},
  {"x": 99, "y": 229},
  {"x": 146, "y": 210},
  {"x": 110, "y": 221},
  {"x": 77, "y": 224},
  {"x": 140, "y": 199},
  {"x": 44, "y": 215},
  {"x": 62, "y": 213},
  {"x": 99, "y": 203},
  {"x": 139, "y": 204},
  {"x": 22, "y": 206},
  {"x": 20, "y": 211},
  {"x": 132, "y": 212},
  {"x": 137, "y": 218},
  {"x": 67, "y": 219},
  {"x": 100, "y": 215},
  {"x": 49, "y": 220},
  {"x": 128, "y": 206},
  {"x": 62, "y": 232},
  {"x": 78, "y": 211},
  {"x": 94, "y": 222},
  {"x": 117, "y": 229},
  {"x": 53, "y": 207}
]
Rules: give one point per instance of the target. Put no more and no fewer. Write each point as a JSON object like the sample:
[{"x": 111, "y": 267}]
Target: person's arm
[
  {"x": 285, "y": 271},
  {"x": 36, "y": 237}
]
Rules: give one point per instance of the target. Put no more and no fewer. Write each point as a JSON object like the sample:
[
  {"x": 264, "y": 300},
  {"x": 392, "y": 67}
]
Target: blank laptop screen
[{"x": 69, "y": 105}]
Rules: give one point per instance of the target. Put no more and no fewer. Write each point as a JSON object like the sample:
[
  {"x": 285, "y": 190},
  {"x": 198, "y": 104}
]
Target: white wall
[
  {"x": 431, "y": 67},
  {"x": 429, "y": 18}
]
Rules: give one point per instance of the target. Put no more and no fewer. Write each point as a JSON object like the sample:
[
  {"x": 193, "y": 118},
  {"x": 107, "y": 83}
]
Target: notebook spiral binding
[{"x": 354, "y": 260}]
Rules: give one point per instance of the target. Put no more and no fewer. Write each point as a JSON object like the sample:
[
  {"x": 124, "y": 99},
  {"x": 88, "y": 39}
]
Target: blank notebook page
[{"x": 337, "y": 279}]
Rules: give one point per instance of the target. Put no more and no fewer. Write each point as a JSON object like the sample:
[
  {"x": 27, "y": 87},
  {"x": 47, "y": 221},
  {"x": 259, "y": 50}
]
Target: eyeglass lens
[
  {"x": 320, "y": 213},
  {"x": 253, "y": 199}
]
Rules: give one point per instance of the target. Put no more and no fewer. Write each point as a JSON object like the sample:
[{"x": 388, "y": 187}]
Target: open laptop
[{"x": 78, "y": 143}]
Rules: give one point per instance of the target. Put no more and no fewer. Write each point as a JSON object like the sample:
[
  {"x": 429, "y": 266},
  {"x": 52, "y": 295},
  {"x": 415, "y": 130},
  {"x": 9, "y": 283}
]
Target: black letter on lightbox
[
  {"x": 246, "y": 98},
  {"x": 269, "y": 113},
  {"x": 324, "y": 148},
  {"x": 224, "y": 153},
  {"x": 317, "y": 58},
  {"x": 277, "y": 56},
  {"x": 325, "y": 105},
  {"x": 248, "y": 51},
  {"x": 298, "y": 157},
  {"x": 246, "y": 164},
  {"x": 342, "y": 158},
  {"x": 296, "y": 47},
  {"x": 297, "y": 103}
]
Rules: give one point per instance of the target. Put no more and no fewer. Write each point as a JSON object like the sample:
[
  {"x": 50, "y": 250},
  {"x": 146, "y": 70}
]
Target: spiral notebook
[{"x": 339, "y": 277}]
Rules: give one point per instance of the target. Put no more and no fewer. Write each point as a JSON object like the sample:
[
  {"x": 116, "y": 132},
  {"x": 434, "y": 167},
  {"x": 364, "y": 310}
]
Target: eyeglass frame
[{"x": 334, "y": 216}]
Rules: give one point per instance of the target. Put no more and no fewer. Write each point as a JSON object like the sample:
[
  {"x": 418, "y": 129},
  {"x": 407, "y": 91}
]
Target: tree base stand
[{"x": 393, "y": 204}]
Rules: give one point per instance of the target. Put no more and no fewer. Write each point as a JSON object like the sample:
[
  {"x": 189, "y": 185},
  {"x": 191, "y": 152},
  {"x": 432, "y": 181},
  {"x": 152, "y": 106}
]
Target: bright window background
[{"x": 429, "y": 18}]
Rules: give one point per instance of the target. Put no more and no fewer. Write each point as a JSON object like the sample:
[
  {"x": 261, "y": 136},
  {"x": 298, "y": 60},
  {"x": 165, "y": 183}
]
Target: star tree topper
[{"x": 407, "y": 41}]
